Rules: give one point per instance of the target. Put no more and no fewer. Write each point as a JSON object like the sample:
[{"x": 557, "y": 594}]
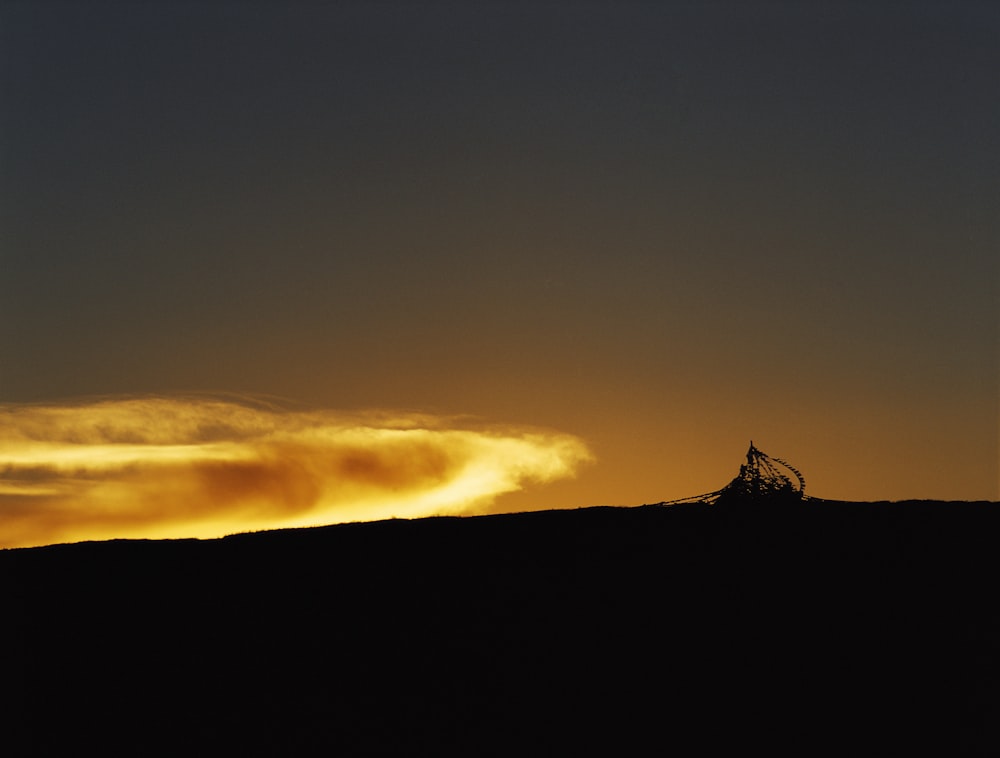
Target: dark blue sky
[{"x": 666, "y": 227}]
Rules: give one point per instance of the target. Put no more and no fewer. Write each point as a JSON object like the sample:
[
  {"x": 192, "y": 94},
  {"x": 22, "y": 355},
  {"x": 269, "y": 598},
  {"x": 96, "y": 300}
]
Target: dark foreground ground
[{"x": 847, "y": 629}]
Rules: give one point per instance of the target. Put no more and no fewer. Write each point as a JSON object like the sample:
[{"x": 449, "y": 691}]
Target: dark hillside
[{"x": 830, "y": 627}]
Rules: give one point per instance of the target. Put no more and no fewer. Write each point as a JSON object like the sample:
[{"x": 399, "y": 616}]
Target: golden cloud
[{"x": 171, "y": 467}]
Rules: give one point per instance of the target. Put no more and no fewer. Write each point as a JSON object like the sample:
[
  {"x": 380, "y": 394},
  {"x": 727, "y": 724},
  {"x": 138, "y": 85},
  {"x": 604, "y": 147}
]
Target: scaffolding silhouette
[{"x": 762, "y": 478}]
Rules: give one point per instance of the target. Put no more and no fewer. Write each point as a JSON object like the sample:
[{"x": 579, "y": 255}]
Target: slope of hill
[{"x": 830, "y": 627}]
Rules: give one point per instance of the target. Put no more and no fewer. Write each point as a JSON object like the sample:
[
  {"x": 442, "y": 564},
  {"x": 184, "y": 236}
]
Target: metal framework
[{"x": 760, "y": 478}]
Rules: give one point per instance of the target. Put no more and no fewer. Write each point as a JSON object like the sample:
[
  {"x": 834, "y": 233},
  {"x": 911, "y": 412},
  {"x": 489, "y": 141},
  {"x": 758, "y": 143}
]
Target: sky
[{"x": 614, "y": 240}]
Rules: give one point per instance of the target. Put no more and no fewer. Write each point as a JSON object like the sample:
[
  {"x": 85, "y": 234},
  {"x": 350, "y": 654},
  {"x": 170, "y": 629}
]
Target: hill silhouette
[{"x": 869, "y": 627}]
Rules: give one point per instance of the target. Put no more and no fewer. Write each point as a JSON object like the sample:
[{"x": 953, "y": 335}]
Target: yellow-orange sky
[
  {"x": 662, "y": 228},
  {"x": 157, "y": 467}
]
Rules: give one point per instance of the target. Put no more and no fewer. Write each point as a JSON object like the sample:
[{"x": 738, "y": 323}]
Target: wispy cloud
[{"x": 204, "y": 467}]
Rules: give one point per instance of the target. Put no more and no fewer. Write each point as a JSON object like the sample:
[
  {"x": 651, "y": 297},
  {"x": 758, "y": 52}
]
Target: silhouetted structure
[
  {"x": 760, "y": 479},
  {"x": 872, "y": 624}
]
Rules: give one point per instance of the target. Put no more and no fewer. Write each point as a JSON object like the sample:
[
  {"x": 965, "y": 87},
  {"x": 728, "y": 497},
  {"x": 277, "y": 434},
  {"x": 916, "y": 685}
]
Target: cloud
[{"x": 168, "y": 467}]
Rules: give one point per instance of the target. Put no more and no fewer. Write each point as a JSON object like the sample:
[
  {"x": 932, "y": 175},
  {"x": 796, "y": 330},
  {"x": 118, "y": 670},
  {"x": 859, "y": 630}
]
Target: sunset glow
[
  {"x": 664, "y": 228},
  {"x": 196, "y": 467}
]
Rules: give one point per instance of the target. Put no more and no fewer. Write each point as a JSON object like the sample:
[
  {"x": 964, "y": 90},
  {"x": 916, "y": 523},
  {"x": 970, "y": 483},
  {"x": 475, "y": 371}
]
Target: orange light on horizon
[{"x": 165, "y": 467}]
